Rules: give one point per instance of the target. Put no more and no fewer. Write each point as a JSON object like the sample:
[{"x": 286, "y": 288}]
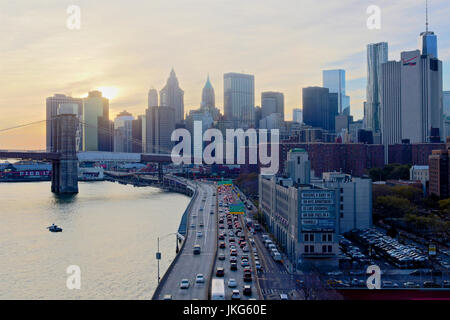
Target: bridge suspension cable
[{"x": 22, "y": 125}]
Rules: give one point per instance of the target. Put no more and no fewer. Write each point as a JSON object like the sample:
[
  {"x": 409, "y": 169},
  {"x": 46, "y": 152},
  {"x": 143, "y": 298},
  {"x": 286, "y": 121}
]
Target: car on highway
[
  {"x": 247, "y": 277},
  {"x": 184, "y": 284},
  {"x": 232, "y": 283},
  {"x": 199, "y": 234},
  {"x": 197, "y": 249},
  {"x": 431, "y": 284},
  {"x": 233, "y": 266},
  {"x": 389, "y": 284},
  {"x": 222, "y": 245},
  {"x": 192, "y": 225},
  {"x": 257, "y": 265},
  {"x": 201, "y": 225},
  {"x": 221, "y": 256},
  {"x": 167, "y": 297},
  {"x": 221, "y": 236},
  {"x": 245, "y": 249},
  {"x": 247, "y": 291},
  {"x": 199, "y": 278},
  {"x": 236, "y": 295},
  {"x": 245, "y": 263},
  {"x": 220, "y": 272},
  {"x": 410, "y": 284}
]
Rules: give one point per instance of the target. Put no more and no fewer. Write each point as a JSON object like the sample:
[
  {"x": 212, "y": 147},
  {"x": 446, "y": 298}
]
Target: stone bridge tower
[{"x": 65, "y": 170}]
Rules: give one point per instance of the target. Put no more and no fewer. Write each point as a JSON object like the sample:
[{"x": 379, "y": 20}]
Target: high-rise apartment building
[
  {"x": 239, "y": 99},
  {"x": 377, "y": 54},
  {"x": 52, "y": 106},
  {"x": 173, "y": 96}
]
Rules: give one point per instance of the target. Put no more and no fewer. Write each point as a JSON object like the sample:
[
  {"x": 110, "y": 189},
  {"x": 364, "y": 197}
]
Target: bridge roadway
[{"x": 189, "y": 265}]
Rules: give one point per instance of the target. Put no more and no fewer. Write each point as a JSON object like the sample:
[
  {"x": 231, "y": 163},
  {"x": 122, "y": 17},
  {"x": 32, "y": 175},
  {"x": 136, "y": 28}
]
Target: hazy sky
[{"x": 132, "y": 45}]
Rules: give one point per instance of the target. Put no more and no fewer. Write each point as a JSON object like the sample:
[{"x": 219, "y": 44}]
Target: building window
[
  {"x": 324, "y": 249},
  {"x": 324, "y": 237},
  {"x": 311, "y": 249},
  {"x": 330, "y": 249},
  {"x": 311, "y": 237},
  {"x": 330, "y": 237},
  {"x": 306, "y": 237},
  {"x": 306, "y": 249}
]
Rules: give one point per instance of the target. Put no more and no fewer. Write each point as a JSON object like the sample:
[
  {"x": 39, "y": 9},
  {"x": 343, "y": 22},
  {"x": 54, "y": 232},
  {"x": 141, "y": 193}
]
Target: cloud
[{"x": 133, "y": 45}]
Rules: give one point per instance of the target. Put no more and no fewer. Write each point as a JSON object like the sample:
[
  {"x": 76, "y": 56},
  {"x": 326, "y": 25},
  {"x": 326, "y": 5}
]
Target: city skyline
[{"x": 33, "y": 48}]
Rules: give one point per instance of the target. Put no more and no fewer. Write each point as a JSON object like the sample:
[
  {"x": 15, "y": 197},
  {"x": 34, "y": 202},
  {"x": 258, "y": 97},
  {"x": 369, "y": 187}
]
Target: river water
[{"x": 109, "y": 231}]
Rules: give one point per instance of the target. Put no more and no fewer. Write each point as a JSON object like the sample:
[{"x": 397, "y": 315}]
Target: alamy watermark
[
  {"x": 374, "y": 19},
  {"x": 74, "y": 280},
  {"x": 73, "y": 21},
  {"x": 213, "y": 153}
]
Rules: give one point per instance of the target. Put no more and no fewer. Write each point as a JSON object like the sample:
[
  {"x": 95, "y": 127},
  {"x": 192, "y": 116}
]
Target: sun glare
[{"x": 108, "y": 92}]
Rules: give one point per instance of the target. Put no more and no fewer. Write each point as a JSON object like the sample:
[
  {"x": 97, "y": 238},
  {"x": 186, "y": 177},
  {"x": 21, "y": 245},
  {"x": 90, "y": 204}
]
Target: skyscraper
[
  {"x": 335, "y": 81},
  {"x": 320, "y": 108},
  {"x": 52, "y": 106},
  {"x": 428, "y": 40},
  {"x": 421, "y": 96},
  {"x": 172, "y": 96},
  {"x": 208, "y": 103},
  {"x": 123, "y": 132},
  {"x": 297, "y": 115},
  {"x": 446, "y": 100},
  {"x": 377, "y": 54},
  {"x": 159, "y": 125},
  {"x": 272, "y": 102},
  {"x": 239, "y": 99},
  {"x": 152, "y": 98},
  {"x": 411, "y": 98},
  {"x": 391, "y": 102},
  {"x": 208, "y": 96},
  {"x": 97, "y": 128}
]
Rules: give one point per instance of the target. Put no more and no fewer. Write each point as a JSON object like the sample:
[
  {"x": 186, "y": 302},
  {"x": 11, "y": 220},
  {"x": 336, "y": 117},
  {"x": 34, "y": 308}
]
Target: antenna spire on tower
[{"x": 426, "y": 14}]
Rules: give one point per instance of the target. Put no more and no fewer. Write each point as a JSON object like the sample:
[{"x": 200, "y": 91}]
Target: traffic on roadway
[
  {"x": 234, "y": 274},
  {"x": 189, "y": 278}
]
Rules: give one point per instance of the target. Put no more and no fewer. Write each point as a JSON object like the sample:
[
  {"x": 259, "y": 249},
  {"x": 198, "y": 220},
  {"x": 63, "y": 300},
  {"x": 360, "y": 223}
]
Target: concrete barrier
[{"x": 174, "y": 261}]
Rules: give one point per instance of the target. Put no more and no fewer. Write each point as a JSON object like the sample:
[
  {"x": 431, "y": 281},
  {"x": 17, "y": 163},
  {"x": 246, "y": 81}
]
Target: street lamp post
[{"x": 158, "y": 253}]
